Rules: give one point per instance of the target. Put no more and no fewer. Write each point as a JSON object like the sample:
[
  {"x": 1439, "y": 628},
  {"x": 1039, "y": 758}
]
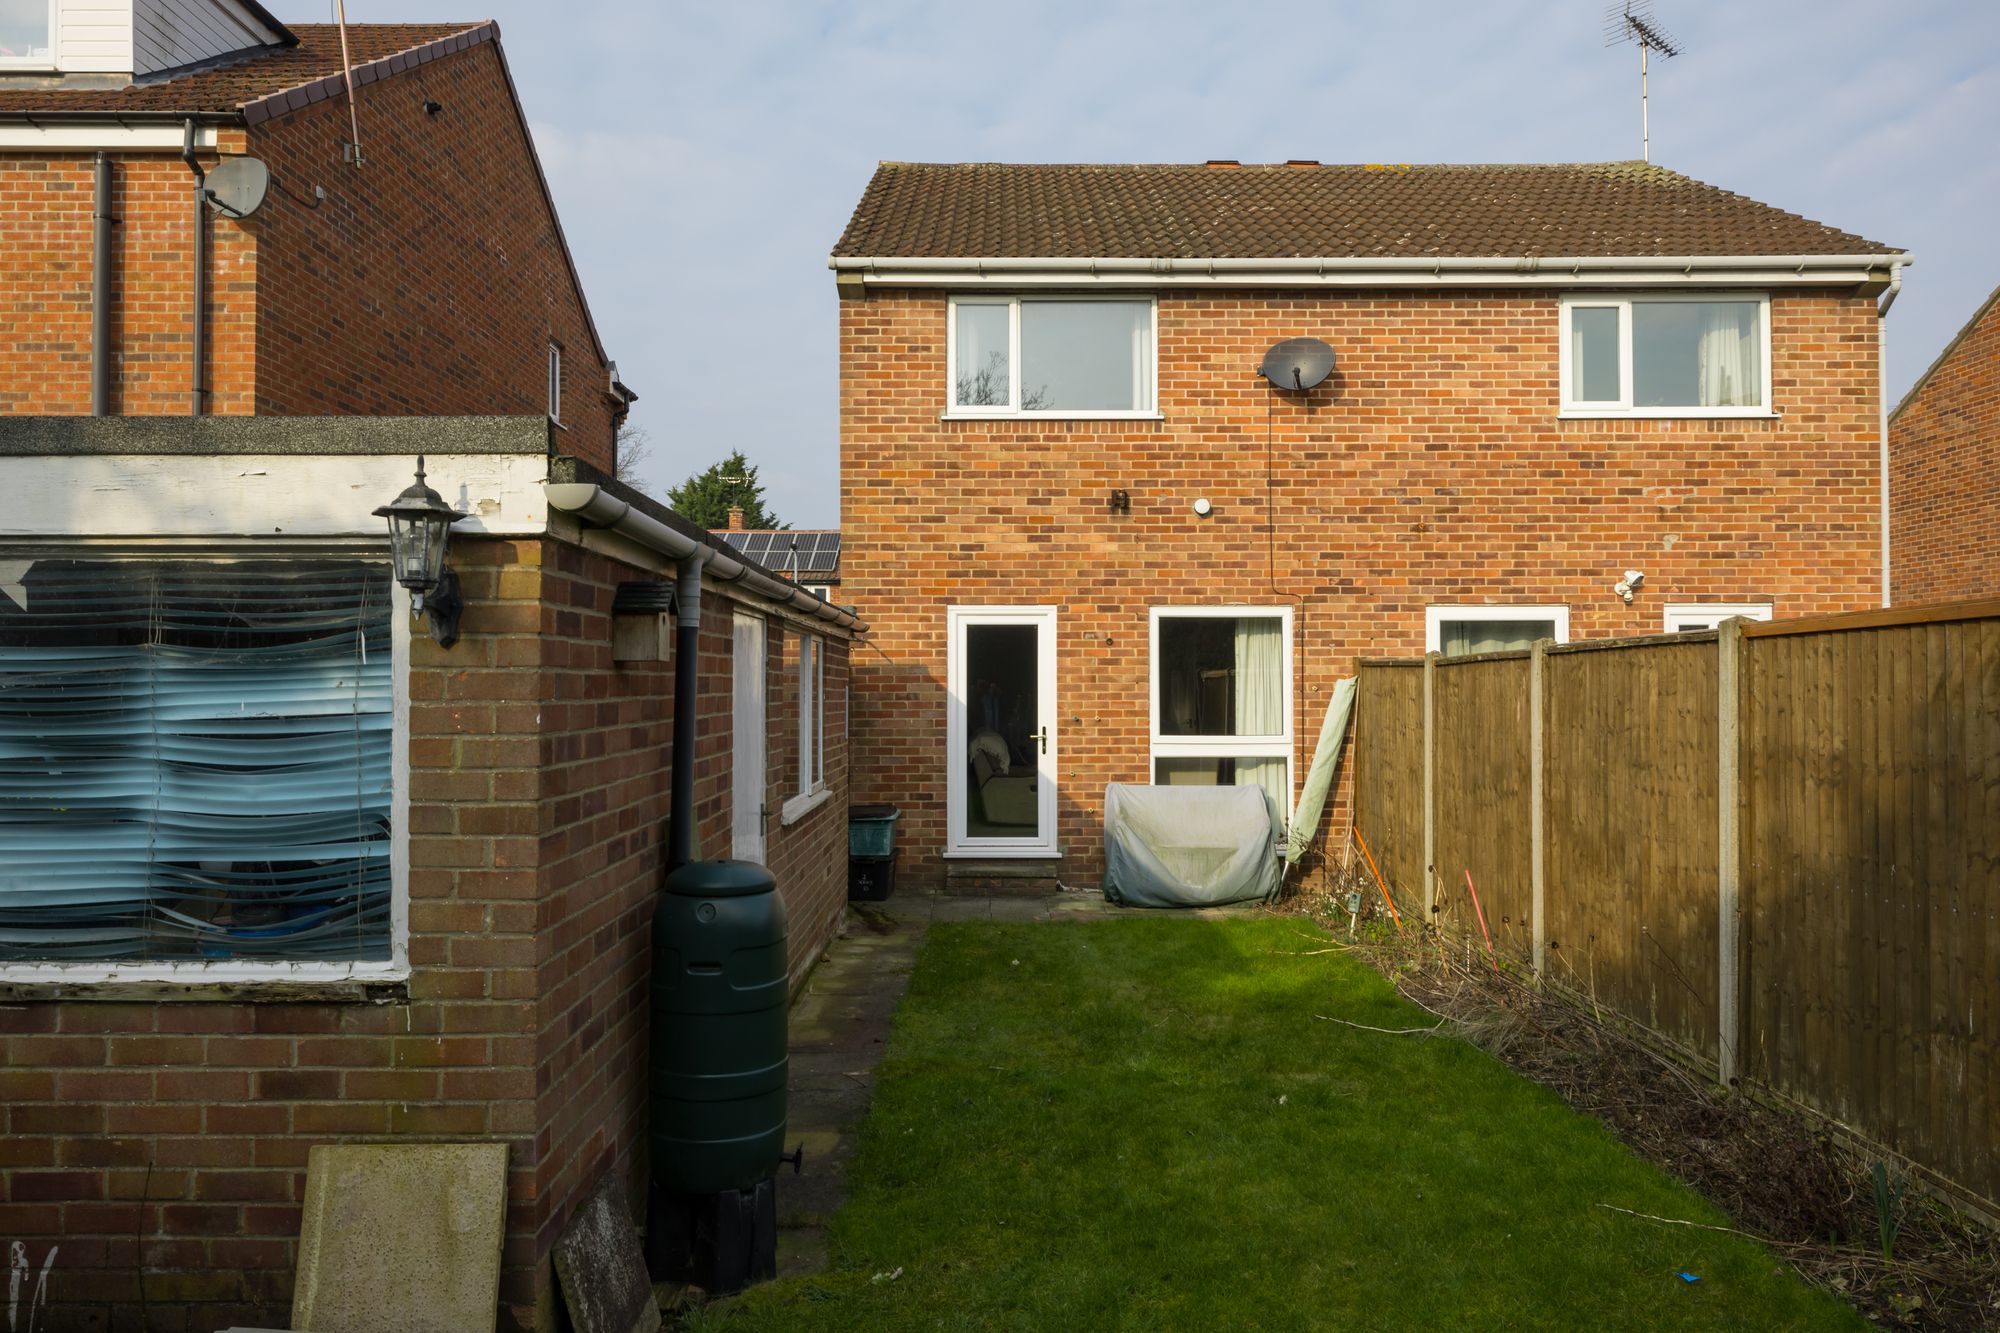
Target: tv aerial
[
  {"x": 1297, "y": 363},
  {"x": 1633, "y": 21}
]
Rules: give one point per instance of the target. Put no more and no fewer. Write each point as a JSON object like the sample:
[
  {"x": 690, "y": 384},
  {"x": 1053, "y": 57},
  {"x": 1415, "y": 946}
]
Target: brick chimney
[{"x": 736, "y": 518}]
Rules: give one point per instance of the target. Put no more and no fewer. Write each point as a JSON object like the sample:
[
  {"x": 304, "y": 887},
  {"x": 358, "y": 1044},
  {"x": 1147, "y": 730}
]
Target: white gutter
[
  {"x": 1882, "y": 398},
  {"x": 600, "y": 509},
  {"x": 1499, "y": 270}
]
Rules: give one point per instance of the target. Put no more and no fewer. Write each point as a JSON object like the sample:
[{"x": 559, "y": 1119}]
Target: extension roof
[
  {"x": 230, "y": 86},
  {"x": 922, "y": 210}
]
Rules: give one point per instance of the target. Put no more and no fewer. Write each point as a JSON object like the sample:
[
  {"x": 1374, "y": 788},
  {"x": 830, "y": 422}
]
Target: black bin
[{"x": 871, "y": 852}]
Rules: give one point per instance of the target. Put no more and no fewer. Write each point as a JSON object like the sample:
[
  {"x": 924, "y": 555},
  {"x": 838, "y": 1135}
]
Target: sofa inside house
[{"x": 1003, "y": 789}]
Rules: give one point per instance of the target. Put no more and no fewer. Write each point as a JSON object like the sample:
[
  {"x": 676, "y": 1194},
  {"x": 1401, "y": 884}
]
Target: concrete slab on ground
[{"x": 402, "y": 1238}]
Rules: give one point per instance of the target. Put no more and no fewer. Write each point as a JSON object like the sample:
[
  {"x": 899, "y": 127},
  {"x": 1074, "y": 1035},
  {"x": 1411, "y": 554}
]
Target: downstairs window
[
  {"x": 1221, "y": 706},
  {"x": 195, "y": 761}
]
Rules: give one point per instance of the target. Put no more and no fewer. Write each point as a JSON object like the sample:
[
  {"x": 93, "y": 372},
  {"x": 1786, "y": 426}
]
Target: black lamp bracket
[{"x": 443, "y": 606}]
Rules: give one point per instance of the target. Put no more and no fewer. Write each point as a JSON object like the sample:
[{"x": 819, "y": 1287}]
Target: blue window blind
[{"x": 195, "y": 761}]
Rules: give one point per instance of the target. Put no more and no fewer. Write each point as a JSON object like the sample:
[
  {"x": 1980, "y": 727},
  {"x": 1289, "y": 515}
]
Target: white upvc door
[
  {"x": 751, "y": 740},
  {"x": 1001, "y": 752}
]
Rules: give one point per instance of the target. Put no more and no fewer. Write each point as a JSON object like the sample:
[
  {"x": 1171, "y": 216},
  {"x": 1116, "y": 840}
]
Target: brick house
[
  {"x": 1099, "y": 547},
  {"x": 277, "y": 868},
  {"x": 1944, "y": 457}
]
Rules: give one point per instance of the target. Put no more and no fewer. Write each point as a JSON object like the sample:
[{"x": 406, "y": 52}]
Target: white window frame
[
  {"x": 555, "y": 381},
  {"x": 1435, "y": 616},
  {"x": 50, "y": 61},
  {"x": 1148, "y": 411},
  {"x": 1623, "y": 302},
  {"x": 812, "y": 788},
  {"x": 167, "y": 975},
  {"x": 1676, "y": 614},
  {"x": 1161, "y": 746}
]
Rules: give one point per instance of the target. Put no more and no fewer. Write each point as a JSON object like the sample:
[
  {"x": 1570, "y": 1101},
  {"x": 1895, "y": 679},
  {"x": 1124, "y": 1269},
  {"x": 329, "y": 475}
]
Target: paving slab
[
  {"x": 402, "y": 1238},
  {"x": 602, "y": 1271}
]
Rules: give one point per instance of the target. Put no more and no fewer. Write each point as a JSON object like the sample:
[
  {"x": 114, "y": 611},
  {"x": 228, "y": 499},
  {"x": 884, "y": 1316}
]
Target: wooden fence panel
[
  {"x": 1630, "y": 772},
  {"x": 1389, "y": 776},
  {"x": 1872, "y": 877},
  {"x": 1482, "y": 776}
]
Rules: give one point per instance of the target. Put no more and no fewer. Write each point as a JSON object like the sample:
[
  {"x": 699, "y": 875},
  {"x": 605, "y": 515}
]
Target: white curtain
[
  {"x": 1728, "y": 356},
  {"x": 1260, "y": 703}
]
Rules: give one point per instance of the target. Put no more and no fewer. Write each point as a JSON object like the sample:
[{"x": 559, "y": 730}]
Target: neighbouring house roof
[
  {"x": 1945, "y": 355},
  {"x": 817, "y": 550},
  {"x": 1589, "y": 209},
  {"x": 230, "y": 88}
]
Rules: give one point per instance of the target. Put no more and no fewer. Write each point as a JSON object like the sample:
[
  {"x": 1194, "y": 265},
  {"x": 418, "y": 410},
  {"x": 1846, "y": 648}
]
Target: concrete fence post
[
  {"x": 1430, "y": 788},
  {"x": 1729, "y": 846},
  {"x": 1537, "y": 829}
]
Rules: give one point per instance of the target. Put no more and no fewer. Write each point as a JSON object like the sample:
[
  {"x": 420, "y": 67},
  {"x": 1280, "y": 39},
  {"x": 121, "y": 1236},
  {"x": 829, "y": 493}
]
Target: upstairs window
[
  {"x": 195, "y": 762},
  {"x": 27, "y": 33},
  {"x": 1063, "y": 356},
  {"x": 1666, "y": 356}
]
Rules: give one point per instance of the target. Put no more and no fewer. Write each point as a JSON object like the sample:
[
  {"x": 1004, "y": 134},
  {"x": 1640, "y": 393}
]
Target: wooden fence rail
[{"x": 1776, "y": 845}]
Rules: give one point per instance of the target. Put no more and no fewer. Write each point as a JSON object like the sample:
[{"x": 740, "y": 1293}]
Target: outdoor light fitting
[
  {"x": 1628, "y": 585},
  {"x": 419, "y": 525}
]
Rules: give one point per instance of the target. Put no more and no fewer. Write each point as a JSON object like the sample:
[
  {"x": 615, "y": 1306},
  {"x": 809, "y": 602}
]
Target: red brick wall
[
  {"x": 428, "y": 282},
  {"x": 1430, "y": 468},
  {"x": 46, "y": 206},
  {"x": 1944, "y": 466},
  {"x": 172, "y": 1137}
]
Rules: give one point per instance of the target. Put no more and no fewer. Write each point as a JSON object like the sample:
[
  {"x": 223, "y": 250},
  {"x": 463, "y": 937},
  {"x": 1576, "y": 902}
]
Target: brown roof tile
[
  {"x": 993, "y": 210},
  {"x": 229, "y": 87}
]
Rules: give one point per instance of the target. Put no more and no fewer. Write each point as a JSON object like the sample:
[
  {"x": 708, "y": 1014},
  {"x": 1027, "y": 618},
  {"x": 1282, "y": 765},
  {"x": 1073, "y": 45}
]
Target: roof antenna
[
  {"x": 347, "y": 76},
  {"x": 1633, "y": 21}
]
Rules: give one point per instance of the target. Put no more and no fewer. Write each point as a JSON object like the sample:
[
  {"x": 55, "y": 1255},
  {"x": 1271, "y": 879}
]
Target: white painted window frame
[
  {"x": 812, "y": 789},
  {"x": 51, "y": 61},
  {"x": 1622, "y": 302},
  {"x": 1435, "y": 616},
  {"x": 555, "y": 381},
  {"x": 286, "y": 971},
  {"x": 1676, "y": 614},
  {"x": 1148, "y": 411},
  {"x": 1161, "y": 746}
]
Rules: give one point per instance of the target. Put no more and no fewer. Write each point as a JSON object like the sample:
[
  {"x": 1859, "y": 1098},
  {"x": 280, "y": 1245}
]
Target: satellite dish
[
  {"x": 237, "y": 185},
  {"x": 1297, "y": 363}
]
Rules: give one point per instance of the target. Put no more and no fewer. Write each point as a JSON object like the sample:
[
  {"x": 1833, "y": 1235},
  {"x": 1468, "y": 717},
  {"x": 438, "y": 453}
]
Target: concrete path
[{"x": 840, "y": 1025}]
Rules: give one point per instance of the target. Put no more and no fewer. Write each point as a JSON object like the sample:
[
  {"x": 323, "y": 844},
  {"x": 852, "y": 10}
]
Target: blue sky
[{"x": 705, "y": 156}]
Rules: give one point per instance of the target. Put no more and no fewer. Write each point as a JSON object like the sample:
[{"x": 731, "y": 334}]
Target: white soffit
[
  {"x": 260, "y": 495},
  {"x": 71, "y": 136}
]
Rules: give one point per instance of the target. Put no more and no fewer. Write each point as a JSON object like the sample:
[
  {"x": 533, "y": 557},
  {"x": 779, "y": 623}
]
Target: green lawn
[{"x": 1139, "y": 1124}]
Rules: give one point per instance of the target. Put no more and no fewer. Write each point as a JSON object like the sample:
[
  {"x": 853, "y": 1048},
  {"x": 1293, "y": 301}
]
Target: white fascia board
[
  {"x": 260, "y": 495},
  {"x": 1595, "y": 271},
  {"x": 92, "y": 136}
]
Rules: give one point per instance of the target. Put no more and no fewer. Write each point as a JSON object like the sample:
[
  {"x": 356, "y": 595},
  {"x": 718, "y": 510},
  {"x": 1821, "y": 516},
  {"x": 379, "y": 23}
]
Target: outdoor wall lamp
[{"x": 419, "y": 525}]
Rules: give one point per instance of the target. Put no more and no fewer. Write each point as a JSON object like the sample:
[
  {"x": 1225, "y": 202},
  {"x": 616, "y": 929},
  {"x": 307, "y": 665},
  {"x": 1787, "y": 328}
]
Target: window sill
[
  {"x": 305, "y": 990},
  {"x": 1016, "y": 418},
  {"x": 1001, "y": 854},
  {"x": 1670, "y": 414},
  {"x": 800, "y": 806}
]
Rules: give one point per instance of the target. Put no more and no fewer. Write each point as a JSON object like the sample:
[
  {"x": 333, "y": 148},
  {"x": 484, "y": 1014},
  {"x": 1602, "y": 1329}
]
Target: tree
[
  {"x": 633, "y": 448},
  {"x": 706, "y": 497}
]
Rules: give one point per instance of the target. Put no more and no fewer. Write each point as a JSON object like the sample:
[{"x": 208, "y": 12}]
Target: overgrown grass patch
[{"x": 1141, "y": 1123}]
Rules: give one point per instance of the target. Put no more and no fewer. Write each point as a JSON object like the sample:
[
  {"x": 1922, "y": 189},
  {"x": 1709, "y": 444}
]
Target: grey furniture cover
[{"x": 1189, "y": 846}]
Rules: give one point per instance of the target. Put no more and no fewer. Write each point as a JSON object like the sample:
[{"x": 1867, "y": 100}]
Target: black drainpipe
[
  {"x": 100, "y": 292},
  {"x": 687, "y": 679},
  {"x": 200, "y": 393}
]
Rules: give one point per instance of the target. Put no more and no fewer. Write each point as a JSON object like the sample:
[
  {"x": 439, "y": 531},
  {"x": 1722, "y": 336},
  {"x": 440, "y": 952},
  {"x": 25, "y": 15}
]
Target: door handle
[{"x": 1043, "y": 737}]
